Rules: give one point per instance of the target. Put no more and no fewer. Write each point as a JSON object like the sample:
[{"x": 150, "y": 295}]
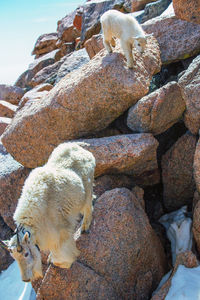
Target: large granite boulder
[
  {"x": 10, "y": 93},
  {"x": 46, "y": 43},
  {"x": 5, "y": 234},
  {"x": 177, "y": 39},
  {"x": 95, "y": 95},
  {"x": 177, "y": 172},
  {"x": 188, "y": 10},
  {"x": 12, "y": 177},
  {"x": 94, "y": 45},
  {"x": 7, "y": 109},
  {"x": 35, "y": 94},
  {"x": 4, "y": 122},
  {"x": 140, "y": 4},
  {"x": 190, "y": 86},
  {"x": 132, "y": 154},
  {"x": 72, "y": 62},
  {"x": 67, "y": 32},
  {"x": 157, "y": 111},
  {"x": 197, "y": 166},
  {"x": 121, "y": 257}
]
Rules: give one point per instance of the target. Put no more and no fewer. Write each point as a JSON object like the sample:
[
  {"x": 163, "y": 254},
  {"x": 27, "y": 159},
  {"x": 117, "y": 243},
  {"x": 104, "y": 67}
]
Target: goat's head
[
  {"x": 140, "y": 43},
  {"x": 27, "y": 255}
]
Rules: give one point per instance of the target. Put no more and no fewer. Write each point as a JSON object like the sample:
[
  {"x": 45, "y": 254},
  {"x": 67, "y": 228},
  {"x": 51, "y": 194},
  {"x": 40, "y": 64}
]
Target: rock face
[
  {"x": 121, "y": 257},
  {"x": 72, "y": 62},
  {"x": 12, "y": 177},
  {"x": 7, "y": 109},
  {"x": 177, "y": 39},
  {"x": 35, "y": 94},
  {"x": 5, "y": 233},
  {"x": 66, "y": 30},
  {"x": 11, "y": 94},
  {"x": 190, "y": 86},
  {"x": 177, "y": 173},
  {"x": 92, "y": 11},
  {"x": 94, "y": 45},
  {"x": 158, "y": 111},
  {"x": 197, "y": 166},
  {"x": 4, "y": 122},
  {"x": 187, "y": 10},
  {"x": 140, "y": 4},
  {"x": 46, "y": 43},
  {"x": 133, "y": 154},
  {"x": 101, "y": 90}
]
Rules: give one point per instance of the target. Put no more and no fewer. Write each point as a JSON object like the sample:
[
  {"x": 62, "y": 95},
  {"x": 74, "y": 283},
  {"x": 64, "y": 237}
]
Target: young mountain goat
[
  {"x": 53, "y": 196},
  {"x": 127, "y": 29}
]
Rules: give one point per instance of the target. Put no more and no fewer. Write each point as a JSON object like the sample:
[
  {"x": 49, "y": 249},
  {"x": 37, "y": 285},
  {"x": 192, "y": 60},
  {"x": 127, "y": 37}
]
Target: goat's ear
[{"x": 26, "y": 237}]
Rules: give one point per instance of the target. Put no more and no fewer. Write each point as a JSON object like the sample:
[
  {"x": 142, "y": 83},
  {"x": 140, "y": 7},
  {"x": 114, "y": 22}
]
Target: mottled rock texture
[
  {"x": 177, "y": 39},
  {"x": 121, "y": 257},
  {"x": 46, "y": 43},
  {"x": 11, "y": 93},
  {"x": 35, "y": 94},
  {"x": 92, "y": 11},
  {"x": 67, "y": 32},
  {"x": 109, "y": 182},
  {"x": 85, "y": 101},
  {"x": 189, "y": 260},
  {"x": 140, "y": 4},
  {"x": 7, "y": 109},
  {"x": 133, "y": 153},
  {"x": 94, "y": 45},
  {"x": 47, "y": 74},
  {"x": 177, "y": 172},
  {"x": 157, "y": 111},
  {"x": 197, "y": 166},
  {"x": 80, "y": 282},
  {"x": 188, "y": 10},
  {"x": 5, "y": 234},
  {"x": 190, "y": 86},
  {"x": 4, "y": 122},
  {"x": 72, "y": 62},
  {"x": 12, "y": 177}
]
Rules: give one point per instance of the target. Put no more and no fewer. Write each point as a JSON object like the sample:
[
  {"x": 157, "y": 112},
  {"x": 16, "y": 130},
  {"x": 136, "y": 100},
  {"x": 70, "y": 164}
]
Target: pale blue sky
[{"x": 21, "y": 23}]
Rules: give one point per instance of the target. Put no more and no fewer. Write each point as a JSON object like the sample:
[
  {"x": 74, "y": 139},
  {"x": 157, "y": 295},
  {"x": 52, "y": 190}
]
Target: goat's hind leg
[{"x": 107, "y": 45}]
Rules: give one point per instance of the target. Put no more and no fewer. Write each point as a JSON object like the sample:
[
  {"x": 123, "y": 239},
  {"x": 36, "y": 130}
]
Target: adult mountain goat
[
  {"x": 127, "y": 29},
  {"x": 52, "y": 198}
]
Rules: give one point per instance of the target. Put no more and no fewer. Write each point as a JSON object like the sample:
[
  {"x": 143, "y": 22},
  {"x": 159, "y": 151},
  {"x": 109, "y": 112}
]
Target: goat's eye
[
  {"x": 139, "y": 44},
  {"x": 26, "y": 254}
]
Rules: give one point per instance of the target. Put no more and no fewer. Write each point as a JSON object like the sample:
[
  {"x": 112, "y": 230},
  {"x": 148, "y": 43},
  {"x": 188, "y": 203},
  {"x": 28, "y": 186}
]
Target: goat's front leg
[{"x": 127, "y": 48}]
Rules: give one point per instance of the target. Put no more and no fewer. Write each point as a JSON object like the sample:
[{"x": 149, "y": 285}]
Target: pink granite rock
[
  {"x": 177, "y": 172},
  {"x": 157, "y": 111},
  {"x": 188, "y": 10},
  {"x": 84, "y": 102},
  {"x": 190, "y": 87},
  {"x": 177, "y": 39}
]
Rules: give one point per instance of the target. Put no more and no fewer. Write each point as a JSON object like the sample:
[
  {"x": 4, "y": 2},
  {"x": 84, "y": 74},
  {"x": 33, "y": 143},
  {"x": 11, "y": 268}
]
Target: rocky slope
[{"x": 142, "y": 126}]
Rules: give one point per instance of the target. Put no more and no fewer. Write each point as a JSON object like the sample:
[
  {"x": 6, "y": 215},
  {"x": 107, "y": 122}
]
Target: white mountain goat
[
  {"x": 52, "y": 198},
  {"x": 127, "y": 29}
]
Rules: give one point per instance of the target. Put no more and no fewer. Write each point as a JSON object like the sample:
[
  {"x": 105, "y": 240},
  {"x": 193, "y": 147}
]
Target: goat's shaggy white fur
[
  {"x": 52, "y": 198},
  {"x": 127, "y": 29}
]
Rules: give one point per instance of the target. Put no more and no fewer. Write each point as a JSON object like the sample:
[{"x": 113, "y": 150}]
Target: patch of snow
[
  {"x": 11, "y": 285},
  {"x": 185, "y": 284}
]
